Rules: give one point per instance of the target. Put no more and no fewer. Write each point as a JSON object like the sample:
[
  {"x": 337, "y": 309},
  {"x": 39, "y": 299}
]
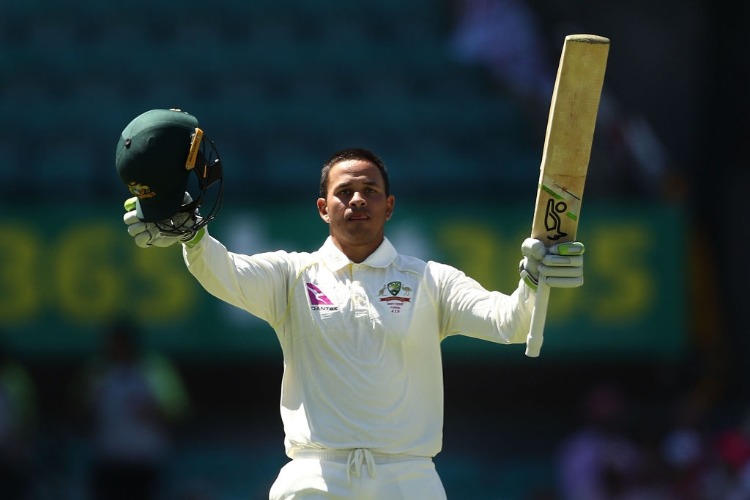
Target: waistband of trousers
[{"x": 344, "y": 456}]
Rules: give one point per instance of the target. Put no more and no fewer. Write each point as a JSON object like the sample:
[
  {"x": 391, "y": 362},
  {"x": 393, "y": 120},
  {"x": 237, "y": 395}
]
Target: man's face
[{"x": 356, "y": 207}]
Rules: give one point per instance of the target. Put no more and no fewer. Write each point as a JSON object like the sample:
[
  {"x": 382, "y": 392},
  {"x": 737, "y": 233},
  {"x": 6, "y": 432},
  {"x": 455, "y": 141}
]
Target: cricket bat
[{"x": 565, "y": 157}]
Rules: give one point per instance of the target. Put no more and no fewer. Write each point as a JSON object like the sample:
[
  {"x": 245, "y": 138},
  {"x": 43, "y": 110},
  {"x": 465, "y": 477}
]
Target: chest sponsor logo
[
  {"x": 318, "y": 300},
  {"x": 395, "y": 294}
]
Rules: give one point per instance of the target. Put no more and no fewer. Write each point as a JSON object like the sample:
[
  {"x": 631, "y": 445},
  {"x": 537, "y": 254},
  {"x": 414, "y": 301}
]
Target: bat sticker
[
  {"x": 552, "y": 220},
  {"x": 562, "y": 203}
]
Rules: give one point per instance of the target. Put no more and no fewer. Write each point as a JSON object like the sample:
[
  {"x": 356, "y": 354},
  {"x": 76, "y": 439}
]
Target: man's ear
[
  {"x": 323, "y": 209},
  {"x": 390, "y": 202}
]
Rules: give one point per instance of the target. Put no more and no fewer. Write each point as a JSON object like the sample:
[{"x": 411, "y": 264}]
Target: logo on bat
[{"x": 552, "y": 221}]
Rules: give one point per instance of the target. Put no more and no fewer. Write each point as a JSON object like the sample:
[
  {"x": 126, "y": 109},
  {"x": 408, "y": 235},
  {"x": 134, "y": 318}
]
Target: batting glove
[
  {"x": 153, "y": 234},
  {"x": 559, "y": 266}
]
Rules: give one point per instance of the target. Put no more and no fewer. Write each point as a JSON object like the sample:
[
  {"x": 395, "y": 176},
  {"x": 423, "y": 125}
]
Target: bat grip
[{"x": 538, "y": 318}]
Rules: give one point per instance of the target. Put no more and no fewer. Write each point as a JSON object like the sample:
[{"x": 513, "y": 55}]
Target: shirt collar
[{"x": 335, "y": 259}]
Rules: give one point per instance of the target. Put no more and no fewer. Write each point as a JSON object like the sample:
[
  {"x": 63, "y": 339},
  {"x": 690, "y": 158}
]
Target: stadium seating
[{"x": 279, "y": 85}]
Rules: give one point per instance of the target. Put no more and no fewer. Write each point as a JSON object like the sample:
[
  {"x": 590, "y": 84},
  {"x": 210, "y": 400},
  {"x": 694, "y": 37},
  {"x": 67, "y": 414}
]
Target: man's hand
[
  {"x": 559, "y": 266},
  {"x": 152, "y": 234}
]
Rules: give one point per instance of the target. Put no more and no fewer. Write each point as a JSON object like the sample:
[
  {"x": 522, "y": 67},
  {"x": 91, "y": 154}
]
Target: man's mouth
[{"x": 358, "y": 216}]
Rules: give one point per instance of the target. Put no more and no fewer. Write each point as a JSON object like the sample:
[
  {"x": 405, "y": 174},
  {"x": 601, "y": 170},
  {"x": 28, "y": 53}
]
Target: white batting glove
[
  {"x": 148, "y": 234},
  {"x": 559, "y": 266}
]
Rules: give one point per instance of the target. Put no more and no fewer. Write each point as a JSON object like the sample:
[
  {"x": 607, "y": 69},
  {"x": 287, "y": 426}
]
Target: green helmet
[{"x": 156, "y": 154}]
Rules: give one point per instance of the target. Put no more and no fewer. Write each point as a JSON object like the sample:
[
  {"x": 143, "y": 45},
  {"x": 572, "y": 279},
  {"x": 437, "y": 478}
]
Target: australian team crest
[
  {"x": 140, "y": 190},
  {"x": 395, "y": 294}
]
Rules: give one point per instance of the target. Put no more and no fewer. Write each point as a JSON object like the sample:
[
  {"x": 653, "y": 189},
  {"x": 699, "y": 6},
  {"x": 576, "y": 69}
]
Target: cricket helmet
[{"x": 161, "y": 155}]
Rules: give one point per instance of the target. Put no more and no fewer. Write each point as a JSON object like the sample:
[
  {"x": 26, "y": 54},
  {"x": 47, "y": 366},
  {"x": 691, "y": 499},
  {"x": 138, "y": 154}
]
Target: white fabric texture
[
  {"x": 357, "y": 474},
  {"x": 361, "y": 342}
]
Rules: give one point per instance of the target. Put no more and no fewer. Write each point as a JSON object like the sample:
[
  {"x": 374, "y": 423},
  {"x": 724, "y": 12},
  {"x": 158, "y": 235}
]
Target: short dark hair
[{"x": 352, "y": 154}]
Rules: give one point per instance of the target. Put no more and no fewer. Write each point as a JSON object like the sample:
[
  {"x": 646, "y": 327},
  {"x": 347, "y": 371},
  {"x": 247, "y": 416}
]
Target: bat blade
[{"x": 566, "y": 154}]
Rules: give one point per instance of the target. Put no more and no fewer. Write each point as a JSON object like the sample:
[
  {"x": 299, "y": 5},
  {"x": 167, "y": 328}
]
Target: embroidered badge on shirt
[
  {"x": 318, "y": 300},
  {"x": 395, "y": 294}
]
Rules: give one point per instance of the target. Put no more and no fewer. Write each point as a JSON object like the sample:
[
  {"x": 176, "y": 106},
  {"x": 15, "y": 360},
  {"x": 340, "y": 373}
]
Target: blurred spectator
[
  {"x": 600, "y": 461},
  {"x": 686, "y": 454},
  {"x": 133, "y": 397},
  {"x": 733, "y": 454},
  {"x": 17, "y": 426},
  {"x": 503, "y": 36}
]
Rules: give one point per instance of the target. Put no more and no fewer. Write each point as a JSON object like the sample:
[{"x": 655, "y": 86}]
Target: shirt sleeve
[
  {"x": 467, "y": 308},
  {"x": 256, "y": 283}
]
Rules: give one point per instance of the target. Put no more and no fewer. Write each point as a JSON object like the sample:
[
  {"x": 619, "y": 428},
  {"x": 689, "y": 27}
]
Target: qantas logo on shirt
[{"x": 318, "y": 300}]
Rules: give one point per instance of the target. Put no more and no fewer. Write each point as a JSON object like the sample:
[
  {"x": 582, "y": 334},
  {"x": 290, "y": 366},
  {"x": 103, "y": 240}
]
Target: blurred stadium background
[{"x": 454, "y": 96}]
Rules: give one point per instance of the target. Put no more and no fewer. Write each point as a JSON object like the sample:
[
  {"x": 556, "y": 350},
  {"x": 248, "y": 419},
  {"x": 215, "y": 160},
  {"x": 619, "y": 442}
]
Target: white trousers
[{"x": 357, "y": 474}]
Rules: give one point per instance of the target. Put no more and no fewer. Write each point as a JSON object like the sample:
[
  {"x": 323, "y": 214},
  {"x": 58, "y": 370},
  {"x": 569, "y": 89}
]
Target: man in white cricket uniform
[{"x": 360, "y": 327}]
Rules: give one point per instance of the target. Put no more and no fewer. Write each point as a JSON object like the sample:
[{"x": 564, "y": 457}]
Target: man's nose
[{"x": 357, "y": 200}]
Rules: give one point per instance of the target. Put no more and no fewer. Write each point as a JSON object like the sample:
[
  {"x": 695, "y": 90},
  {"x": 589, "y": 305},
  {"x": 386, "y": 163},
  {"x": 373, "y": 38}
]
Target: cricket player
[{"x": 359, "y": 324}]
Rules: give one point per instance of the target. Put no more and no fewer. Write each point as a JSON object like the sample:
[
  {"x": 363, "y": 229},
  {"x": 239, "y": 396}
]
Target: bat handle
[{"x": 538, "y": 317}]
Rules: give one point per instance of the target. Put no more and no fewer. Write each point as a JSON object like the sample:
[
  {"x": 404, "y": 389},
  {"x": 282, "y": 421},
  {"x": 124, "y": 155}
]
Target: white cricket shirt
[{"x": 361, "y": 342}]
